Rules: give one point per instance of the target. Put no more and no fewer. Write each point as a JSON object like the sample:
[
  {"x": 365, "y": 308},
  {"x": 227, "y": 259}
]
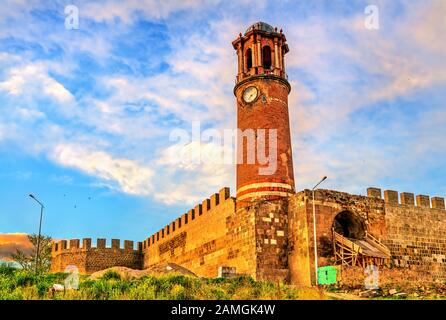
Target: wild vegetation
[
  {"x": 20, "y": 284},
  {"x": 28, "y": 261}
]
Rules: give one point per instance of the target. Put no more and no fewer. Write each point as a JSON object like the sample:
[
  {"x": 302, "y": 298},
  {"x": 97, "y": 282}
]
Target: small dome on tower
[{"x": 260, "y": 26}]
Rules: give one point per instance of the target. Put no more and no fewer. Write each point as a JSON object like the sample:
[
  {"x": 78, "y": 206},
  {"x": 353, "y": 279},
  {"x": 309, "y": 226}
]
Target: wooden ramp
[{"x": 362, "y": 252}]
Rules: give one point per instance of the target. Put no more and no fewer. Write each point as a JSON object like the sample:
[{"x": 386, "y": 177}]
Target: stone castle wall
[
  {"x": 197, "y": 240},
  {"x": 273, "y": 240},
  {"x": 252, "y": 240},
  {"x": 416, "y": 232},
  {"x": 88, "y": 259},
  {"x": 328, "y": 204}
]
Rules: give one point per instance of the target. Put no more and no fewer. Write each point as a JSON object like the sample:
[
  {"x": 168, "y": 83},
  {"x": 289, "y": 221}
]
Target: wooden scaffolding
[{"x": 362, "y": 252}]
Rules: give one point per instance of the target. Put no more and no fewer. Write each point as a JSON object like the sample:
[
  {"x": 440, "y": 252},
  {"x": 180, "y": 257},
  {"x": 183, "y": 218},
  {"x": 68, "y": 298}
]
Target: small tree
[{"x": 28, "y": 262}]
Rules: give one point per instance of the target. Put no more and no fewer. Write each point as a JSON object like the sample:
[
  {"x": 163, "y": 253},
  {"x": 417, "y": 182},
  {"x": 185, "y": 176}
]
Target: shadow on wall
[
  {"x": 325, "y": 248},
  {"x": 346, "y": 224},
  {"x": 349, "y": 225}
]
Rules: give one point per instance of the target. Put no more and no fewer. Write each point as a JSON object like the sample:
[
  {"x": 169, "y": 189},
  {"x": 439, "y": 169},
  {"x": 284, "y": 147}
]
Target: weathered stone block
[
  {"x": 205, "y": 205},
  {"x": 438, "y": 203},
  {"x": 407, "y": 198},
  {"x": 224, "y": 194},
  {"x": 116, "y": 243},
  {"x": 198, "y": 210},
  {"x": 86, "y": 243},
  {"x": 100, "y": 243},
  {"x": 74, "y": 244},
  {"x": 423, "y": 201},
  {"x": 391, "y": 196},
  {"x": 62, "y": 244},
  {"x": 226, "y": 272},
  {"x": 128, "y": 245},
  {"x": 191, "y": 214},
  {"x": 374, "y": 193},
  {"x": 214, "y": 200}
]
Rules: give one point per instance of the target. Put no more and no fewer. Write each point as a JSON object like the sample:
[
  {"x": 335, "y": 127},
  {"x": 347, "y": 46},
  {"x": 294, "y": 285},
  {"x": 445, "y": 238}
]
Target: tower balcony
[{"x": 275, "y": 72}]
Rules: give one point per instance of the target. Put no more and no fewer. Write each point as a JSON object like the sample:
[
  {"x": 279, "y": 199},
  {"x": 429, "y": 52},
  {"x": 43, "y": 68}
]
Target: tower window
[
  {"x": 266, "y": 57},
  {"x": 249, "y": 58}
]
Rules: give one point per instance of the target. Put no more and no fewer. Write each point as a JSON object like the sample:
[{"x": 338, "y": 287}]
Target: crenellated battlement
[
  {"x": 407, "y": 198},
  {"x": 101, "y": 243},
  {"x": 192, "y": 215},
  {"x": 88, "y": 258}
]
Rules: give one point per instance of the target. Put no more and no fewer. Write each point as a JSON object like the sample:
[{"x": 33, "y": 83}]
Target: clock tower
[{"x": 264, "y": 164}]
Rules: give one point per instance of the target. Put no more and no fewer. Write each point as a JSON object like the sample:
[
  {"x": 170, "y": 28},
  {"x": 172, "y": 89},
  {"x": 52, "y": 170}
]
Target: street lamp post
[
  {"x": 40, "y": 230},
  {"x": 314, "y": 230}
]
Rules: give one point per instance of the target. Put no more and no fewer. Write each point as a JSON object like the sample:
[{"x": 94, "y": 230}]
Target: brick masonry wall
[
  {"x": 414, "y": 233},
  {"x": 252, "y": 239},
  {"x": 270, "y": 112},
  {"x": 298, "y": 241},
  {"x": 217, "y": 237},
  {"x": 328, "y": 204},
  {"x": 241, "y": 241},
  {"x": 91, "y": 259},
  {"x": 417, "y": 238},
  {"x": 271, "y": 239}
]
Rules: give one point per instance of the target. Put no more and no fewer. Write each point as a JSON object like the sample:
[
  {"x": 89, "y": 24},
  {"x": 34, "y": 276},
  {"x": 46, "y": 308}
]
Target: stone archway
[{"x": 349, "y": 225}]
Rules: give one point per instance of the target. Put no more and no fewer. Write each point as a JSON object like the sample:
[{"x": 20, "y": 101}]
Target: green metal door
[{"x": 326, "y": 275}]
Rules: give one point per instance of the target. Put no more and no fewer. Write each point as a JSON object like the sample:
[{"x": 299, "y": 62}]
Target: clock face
[{"x": 250, "y": 94}]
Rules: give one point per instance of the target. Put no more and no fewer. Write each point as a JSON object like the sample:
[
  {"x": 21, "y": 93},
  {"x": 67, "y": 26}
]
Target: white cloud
[
  {"x": 188, "y": 181},
  {"x": 33, "y": 79},
  {"x": 130, "y": 176},
  {"x": 29, "y": 114},
  {"x": 108, "y": 11}
]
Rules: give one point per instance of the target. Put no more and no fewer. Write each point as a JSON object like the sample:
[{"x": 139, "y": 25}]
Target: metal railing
[{"x": 282, "y": 74}]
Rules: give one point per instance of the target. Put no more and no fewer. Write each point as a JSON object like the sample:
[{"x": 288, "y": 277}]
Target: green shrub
[
  {"x": 7, "y": 270},
  {"x": 111, "y": 275},
  {"x": 24, "y": 278}
]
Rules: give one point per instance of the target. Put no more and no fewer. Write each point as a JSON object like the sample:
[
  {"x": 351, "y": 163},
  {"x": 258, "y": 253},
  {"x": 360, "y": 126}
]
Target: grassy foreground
[{"x": 20, "y": 285}]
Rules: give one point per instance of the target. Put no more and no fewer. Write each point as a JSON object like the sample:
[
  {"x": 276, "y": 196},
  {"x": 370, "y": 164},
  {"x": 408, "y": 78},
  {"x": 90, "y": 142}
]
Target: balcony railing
[{"x": 282, "y": 74}]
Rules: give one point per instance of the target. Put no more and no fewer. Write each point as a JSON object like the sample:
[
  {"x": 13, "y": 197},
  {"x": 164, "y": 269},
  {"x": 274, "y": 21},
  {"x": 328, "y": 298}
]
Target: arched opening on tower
[
  {"x": 349, "y": 225},
  {"x": 266, "y": 57},
  {"x": 248, "y": 59}
]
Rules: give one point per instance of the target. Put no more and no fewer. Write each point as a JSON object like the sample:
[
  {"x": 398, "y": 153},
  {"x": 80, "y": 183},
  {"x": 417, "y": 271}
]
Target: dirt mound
[
  {"x": 169, "y": 268},
  {"x": 127, "y": 273}
]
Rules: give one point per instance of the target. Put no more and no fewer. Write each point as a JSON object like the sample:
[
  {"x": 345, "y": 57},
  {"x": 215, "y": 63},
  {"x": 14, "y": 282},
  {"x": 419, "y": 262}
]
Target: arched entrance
[
  {"x": 352, "y": 243},
  {"x": 349, "y": 225}
]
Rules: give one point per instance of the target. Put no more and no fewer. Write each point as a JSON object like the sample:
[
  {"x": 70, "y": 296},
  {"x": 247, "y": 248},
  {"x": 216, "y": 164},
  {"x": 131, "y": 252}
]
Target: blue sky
[{"x": 86, "y": 114}]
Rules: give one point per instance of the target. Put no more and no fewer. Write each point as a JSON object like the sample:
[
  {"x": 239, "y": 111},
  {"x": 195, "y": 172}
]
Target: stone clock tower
[{"x": 264, "y": 164}]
